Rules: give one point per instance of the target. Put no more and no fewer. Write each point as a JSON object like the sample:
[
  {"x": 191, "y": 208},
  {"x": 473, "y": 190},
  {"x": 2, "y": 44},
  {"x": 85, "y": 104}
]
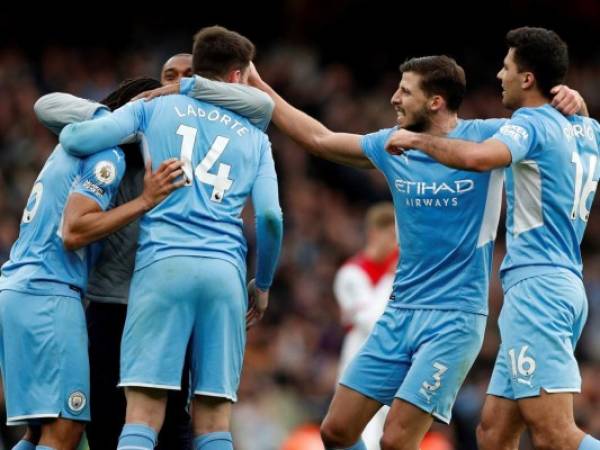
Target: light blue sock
[
  {"x": 360, "y": 445},
  {"x": 136, "y": 436},
  {"x": 589, "y": 443},
  {"x": 43, "y": 447},
  {"x": 24, "y": 445},
  {"x": 220, "y": 440}
]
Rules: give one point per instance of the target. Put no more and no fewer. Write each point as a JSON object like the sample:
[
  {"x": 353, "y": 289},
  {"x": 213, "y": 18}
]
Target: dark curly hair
[{"x": 119, "y": 97}]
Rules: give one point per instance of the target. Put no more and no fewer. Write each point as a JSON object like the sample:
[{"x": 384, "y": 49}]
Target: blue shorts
[
  {"x": 540, "y": 323},
  {"x": 184, "y": 300},
  {"x": 43, "y": 357},
  {"x": 421, "y": 356}
]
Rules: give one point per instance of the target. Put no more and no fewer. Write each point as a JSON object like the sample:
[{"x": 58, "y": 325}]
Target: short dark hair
[
  {"x": 127, "y": 90},
  {"x": 440, "y": 75},
  {"x": 541, "y": 52},
  {"x": 218, "y": 50}
]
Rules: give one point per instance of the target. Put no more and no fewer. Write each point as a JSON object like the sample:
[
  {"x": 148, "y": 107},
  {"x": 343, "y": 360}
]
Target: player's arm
[
  {"x": 568, "y": 101},
  {"x": 342, "y": 148},
  {"x": 269, "y": 230},
  {"x": 244, "y": 100},
  {"x": 465, "y": 155},
  {"x": 58, "y": 109},
  {"x": 89, "y": 137},
  {"x": 85, "y": 218},
  {"x": 240, "y": 98},
  {"x": 269, "y": 234},
  {"x": 510, "y": 144}
]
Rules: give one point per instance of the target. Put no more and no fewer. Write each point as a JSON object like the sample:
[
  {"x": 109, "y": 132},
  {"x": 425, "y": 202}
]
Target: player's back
[
  {"x": 223, "y": 154},
  {"x": 550, "y": 192},
  {"x": 38, "y": 262}
]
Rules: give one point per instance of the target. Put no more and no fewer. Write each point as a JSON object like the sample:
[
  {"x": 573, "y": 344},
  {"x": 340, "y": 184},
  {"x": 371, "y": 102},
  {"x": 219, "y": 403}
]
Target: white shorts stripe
[
  {"x": 131, "y": 447},
  {"x": 22, "y": 420},
  {"x": 214, "y": 394},
  {"x": 561, "y": 390},
  {"x": 148, "y": 385}
]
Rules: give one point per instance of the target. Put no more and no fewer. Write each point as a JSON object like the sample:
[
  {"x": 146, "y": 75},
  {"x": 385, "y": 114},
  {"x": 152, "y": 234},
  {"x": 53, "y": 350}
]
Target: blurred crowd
[{"x": 292, "y": 356}]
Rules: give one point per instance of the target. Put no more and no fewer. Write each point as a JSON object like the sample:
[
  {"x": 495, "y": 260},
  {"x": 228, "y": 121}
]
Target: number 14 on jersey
[{"x": 219, "y": 181}]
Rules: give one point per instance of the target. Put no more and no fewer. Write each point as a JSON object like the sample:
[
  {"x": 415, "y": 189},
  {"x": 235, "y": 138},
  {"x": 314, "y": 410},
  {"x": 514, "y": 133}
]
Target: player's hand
[
  {"x": 158, "y": 185},
  {"x": 399, "y": 142},
  {"x": 566, "y": 100},
  {"x": 254, "y": 78},
  {"x": 258, "y": 301},
  {"x": 168, "y": 89}
]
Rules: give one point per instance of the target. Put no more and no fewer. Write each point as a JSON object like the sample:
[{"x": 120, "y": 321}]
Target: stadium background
[{"x": 338, "y": 61}]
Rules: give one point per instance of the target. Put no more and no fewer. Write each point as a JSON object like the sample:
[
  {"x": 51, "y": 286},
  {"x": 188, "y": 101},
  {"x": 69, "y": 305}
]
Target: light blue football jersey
[
  {"x": 224, "y": 155},
  {"x": 39, "y": 264},
  {"x": 550, "y": 187},
  {"x": 446, "y": 223}
]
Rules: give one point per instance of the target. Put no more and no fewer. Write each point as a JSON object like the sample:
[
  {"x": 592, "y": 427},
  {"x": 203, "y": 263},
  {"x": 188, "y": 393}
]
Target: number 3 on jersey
[{"x": 220, "y": 181}]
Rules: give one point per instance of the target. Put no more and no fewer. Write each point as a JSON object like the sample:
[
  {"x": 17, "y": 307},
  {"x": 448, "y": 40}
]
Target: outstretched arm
[{"x": 342, "y": 148}]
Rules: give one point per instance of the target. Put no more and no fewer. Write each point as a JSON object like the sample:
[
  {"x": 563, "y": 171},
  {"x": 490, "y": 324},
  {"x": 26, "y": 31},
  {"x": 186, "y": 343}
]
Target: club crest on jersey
[
  {"x": 76, "y": 402},
  {"x": 105, "y": 172},
  {"x": 515, "y": 132}
]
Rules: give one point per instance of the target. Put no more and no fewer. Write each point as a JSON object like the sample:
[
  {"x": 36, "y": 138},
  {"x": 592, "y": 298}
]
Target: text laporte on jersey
[{"x": 213, "y": 116}]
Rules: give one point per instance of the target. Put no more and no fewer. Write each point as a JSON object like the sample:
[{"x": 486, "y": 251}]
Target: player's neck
[
  {"x": 210, "y": 76},
  {"x": 442, "y": 123},
  {"x": 533, "y": 99}
]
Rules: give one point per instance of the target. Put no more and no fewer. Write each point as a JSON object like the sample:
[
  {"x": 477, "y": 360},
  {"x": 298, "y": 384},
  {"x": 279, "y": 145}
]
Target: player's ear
[
  {"x": 234, "y": 76},
  {"x": 528, "y": 80},
  {"x": 436, "y": 102}
]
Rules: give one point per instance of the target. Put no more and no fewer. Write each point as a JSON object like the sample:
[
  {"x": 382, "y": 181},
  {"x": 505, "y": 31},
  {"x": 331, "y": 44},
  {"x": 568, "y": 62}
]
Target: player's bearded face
[
  {"x": 417, "y": 120},
  {"x": 413, "y": 117},
  {"x": 410, "y": 103}
]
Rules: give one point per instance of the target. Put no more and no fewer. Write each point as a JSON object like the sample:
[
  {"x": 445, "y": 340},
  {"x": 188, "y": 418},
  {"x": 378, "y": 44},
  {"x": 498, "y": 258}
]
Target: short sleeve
[
  {"x": 101, "y": 175},
  {"x": 519, "y": 135},
  {"x": 373, "y": 145}
]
